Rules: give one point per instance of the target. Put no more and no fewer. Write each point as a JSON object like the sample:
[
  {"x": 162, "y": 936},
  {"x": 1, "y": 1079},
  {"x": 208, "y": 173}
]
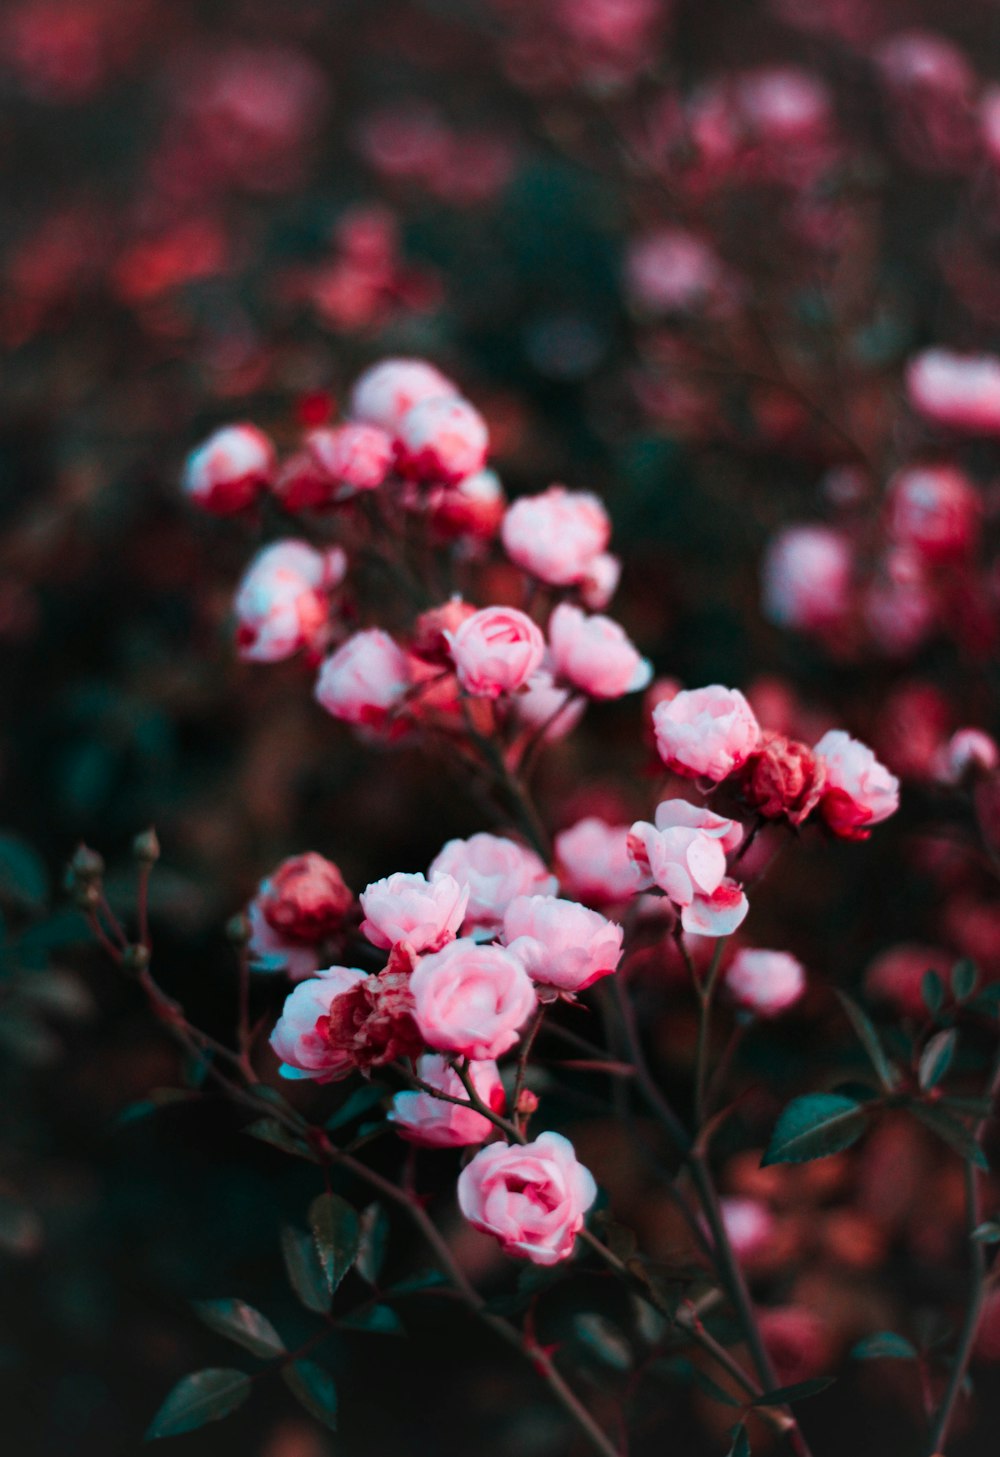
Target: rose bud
[
  {"x": 365, "y": 679},
  {"x": 783, "y": 777},
  {"x": 305, "y": 900},
  {"x": 230, "y": 470},
  {"x": 705, "y": 733},
  {"x": 968, "y": 754},
  {"x": 496, "y": 651},
  {"x": 472, "y": 507},
  {"x": 421, "y": 1118},
  {"x": 390, "y": 389},
  {"x": 432, "y": 629},
  {"x": 859, "y": 792},
  {"x": 471, "y": 999},
  {"x": 353, "y": 457},
  {"x": 684, "y": 853},
  {"x": 495, "y": 870},
  {"x": 442, "y": 440},
  {"x": 282, "y": 603},
  {"x": 531, "y": 1197}
]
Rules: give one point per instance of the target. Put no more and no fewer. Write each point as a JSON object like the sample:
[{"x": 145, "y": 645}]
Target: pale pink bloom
[
  {"x": 749, "y": 1226},
  {"x": 294, "y": 911},
  {"x": 935, "y": 509},
  {"x": 496, "y": 650},
  {"x": 496, "y": 870},
  {"x": 969, "y": 751},
  {"x": 442, "y": 440},
  {"x": 472, "y": 507},
  {"x": 358, "y": 457},
  {"x": 688, "y": 863},
  {"x": 594, "y": 862},
  {"x": 601, "y": 582},
  {"x": 765, "y": 982},
  {"x": 304, "y": 1050},
  {"x": 281, "y": 604},
  {"x": 471, "y": 999},
  {"x": 531, "y": 1197},
  {"x": 421, "y": 1118},
  {"x": 961, "y": 391},
  {"x": 705, "y": 733},
  {"x": 595, "y": 655},
  {"x": 784, "y": 104},
  {"x": 389, "y": 389},
  {"x": 272, "y": 949},
  {"x": 670, "y": 270},
  {"x": 860, "y": 792},
  {"x": 557, "y": 536},
  {"x": 806, "y": 576},
  {"x": 563, "y": 946},
  {"x": 423, "y": 914},
  {"x": 230, "y": 470},
  {"x": 365, "y": 679},
  {"x": 679, "y": 813},
  {"x": 549, "y": 707}
]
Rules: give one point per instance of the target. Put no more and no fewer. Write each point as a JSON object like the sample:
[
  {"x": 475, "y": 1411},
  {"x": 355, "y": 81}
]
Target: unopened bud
[
  {"x": 86, "y": 866},
  {"x": 146, "y": 847},
  {"x": 527, "y": 1103}
]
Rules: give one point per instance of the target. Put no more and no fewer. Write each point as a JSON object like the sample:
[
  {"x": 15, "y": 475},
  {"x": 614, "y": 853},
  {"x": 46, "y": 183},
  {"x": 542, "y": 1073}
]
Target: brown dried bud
[{"x": 373, "y": 1021}]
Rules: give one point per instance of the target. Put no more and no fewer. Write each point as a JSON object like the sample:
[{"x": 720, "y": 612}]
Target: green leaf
[
  {"x": 305, "y": 1271},
  {"x": 205, "y": 1396},
  {"x": 870, "y": 1041},
  {"x": 932, "y": 991},
  {"x": 987, "y": 1233},
  {"x": 337, "y": 1232},
  {"x": 158, "y": 1098},
  {"x": 604, "y": 1340},
  {"x": 24, "y": 879},
  {"x": 374, "y": 1238},
  {"x": 785, "y": 1395},
  {"x": 964, "y": 976},
  {"x": 359, "y": 1102},
  {"x": 380, "y": 1320},
  {"x": 955, "y": 1134},
  {"x": 315, "y": 1389},
  {"x": 988, "y": 1000},
  {"x": 936, "y": 1058},
  {"x": 269, "y": 1130},
  {"x": 814, "y": 1127},
  {"x": 741, "y": 1442},
  {"x": 241, "y": 1323},
  {"x": 416, "y": 1284},
  {"x": 884, "y": 1346}
]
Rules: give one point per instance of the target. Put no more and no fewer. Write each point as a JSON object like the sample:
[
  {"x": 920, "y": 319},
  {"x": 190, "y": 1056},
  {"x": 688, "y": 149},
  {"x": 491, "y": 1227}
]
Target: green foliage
[
  {"x": 884, "y": 1346},
  {"x": 205, "y": 1396},
  {"x": 239, "y": 1322},
  {"x": 305, "y": 1271},
  {"x": 870, "y": 1041},
  {"x": 741, "y": 1442},
  {"x": 932, "y": 991},
  {"x": 380, "y": 1320},
  {"x": 336, "y": 1230},
  {"x": 314, "y": 1389},
  {"x": 954, "y": 1133},
  {"x": 602, "y": 1338},
  {"x": 814, "y": 1127},
  {"x": 786, "y": 1395},
  {"x": 964, "y": 977},
  {"x": 936, "y": 1058},
  {"x": 373, "y": 1242}
]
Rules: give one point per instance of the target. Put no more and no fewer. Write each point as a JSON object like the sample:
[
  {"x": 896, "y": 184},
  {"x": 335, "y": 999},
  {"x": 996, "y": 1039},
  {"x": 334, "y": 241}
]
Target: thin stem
[
  {"x": 527, "y": 1042},
  {"x": 706, "y": 991}
]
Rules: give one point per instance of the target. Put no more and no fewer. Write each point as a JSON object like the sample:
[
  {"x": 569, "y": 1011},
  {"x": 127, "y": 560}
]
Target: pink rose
[
  {"x": 671, "y": 813},
  {"x": 935, "y": 509},
  {"x": 424, "y": 1119},
  {"x": 705, "y": 732},
  {"x": 496, "y": 651},
  {"x": 273, "y": 950},
  {"x": 365, "y": 679},
  {"x": 806, "y": 575},
  {"x": 783, "y": 777},
  {"x": 968, "y": 753},
  {"x": 860, "y": 792},
  {"x": 562, "y": 946},
  {"x": 299, "y": 1039},
  {"x": 442, "y": 440},
  {"x": 532, "y": 1197},
  {"x": 594, "y": 862},
  {"x": 471, "y": 999},
  {"x": 230, "y": 470},
  {"x": 671, "y": 270},
  {"x": 961, "y": 391},
  {"x": 355, "y": 457},
  {"x": 387, "y": 391},
  {"x": 281, "y": 605},
  {"x": 766, "y": 982},
  {"x": 688, "y": 863},
  {"x": 556, "y": 536},
  {"x": 594, "y": 654},
  {"x": 471, "y": 508},
  {"x": 601, "y": 582},
  {"x": 495, "y": 870},
  {"x": 371, "y": 1023},
  {"x": 424, "y": 914},
  {"x": 548, "y": 707},
  {"x": 305, "y": 899}
]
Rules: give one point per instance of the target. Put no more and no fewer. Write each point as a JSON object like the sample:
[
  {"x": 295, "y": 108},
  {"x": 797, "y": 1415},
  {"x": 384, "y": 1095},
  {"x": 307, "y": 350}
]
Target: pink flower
[
  {"x": 671, "y": 813},
  {"x": 961, "y": 391},
  {"x": 471, "y": 508},
  {"x": 594, "y": 862},
  {"x": 299, "y": 1037},
  {"x": 860, "y": 792},
  {"x": 387, "y": 391},
  {"x": 687, "y": 861},
  {"x": 557, "y": 536},
  {"x": 601, "y": 582},
  {"x": 424, "y": 1119},
  {"x": 442, "y": 440},
  {"x": 424, "y": 914},
  {"x": 705, "y": 732},
  {"x": 281, "y": 604},
  {"x": 471, "y": 999},
  {"x": 671, "y": 270},
  {"x": 532, "y": 1197},
  {"x": 766, "y": 982},
  {"x": 935, "y": 509},
  {"x": 563, "y": 946},
  {"x": 969, "y": 752},
  {"x": 806, "y": 578},
  {"x": 749, "y": 1225},
  {"x": 230, "y": 470},
  {"x": 783, "y": 777},
  {"x": 365, "y": 679},
  {"x": 496, "y": 651},
  {"x": 356, "y": 457},
  {"x": 594, "y": 654},
  {"x": 305, "y": 900},
  {"x": 273, "y": 950},
  {"x": 548, "y": 707},
  {"x": 372, "y": 1021},
  {"x": 495, "y": 870}
]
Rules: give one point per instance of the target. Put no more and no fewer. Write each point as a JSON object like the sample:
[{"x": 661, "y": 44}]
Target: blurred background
[{"x": 225, "y": 209}]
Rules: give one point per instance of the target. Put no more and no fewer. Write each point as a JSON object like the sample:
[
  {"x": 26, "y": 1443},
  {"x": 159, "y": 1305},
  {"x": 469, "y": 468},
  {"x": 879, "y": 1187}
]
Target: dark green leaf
[
  {"x": 987, "y": 1233},
  {"x": 932, "y": 990},
  {"x": 380, "y": 1320},
  {"x": 158, "y": 1098},
  {"x": 964, "y": 976},
  {"x": 241, "y": 1323},
  {"x": 337, "y": 1232},
  {"x": 870, "y": 1041},
  {"x": 305, "y": 1271},
  {"x": 374, "y": 1238},
  {"x": 787, "y": 1394},
  {"x": 23, "y": 877},
  {"x": 936, "y": 1058},
  {"x": 741, "y": 1442},
  {"x": 359, "y": 1102},
  {"x": 955, "y": 1134},
  {"x": 314, "y": 1388},
  {"x": 422, "y": 1280},
  {"x": 205, "y": 1396},
  {"x": 988, "y": 1000},
  {"x": 814, "y": 1127},
  {"x": 269, "y": 1130},
  {"x": 603, "y": 1338},
  {"x": 884, "y": 1346}
]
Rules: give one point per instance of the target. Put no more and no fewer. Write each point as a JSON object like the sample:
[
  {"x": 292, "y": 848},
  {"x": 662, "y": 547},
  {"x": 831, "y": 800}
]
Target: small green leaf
[
  {"x": 361, "y": 1101},
  {"x": 870, "y": 1041},
  {"x": 374, "y": 1239},
  {"x": 741, "y": 1442},
  {"x": 884, "y": 1346},
  {"x": 158, "y": 1098},
  {"x": 936, "y": 1058},
  {"x": 305, "y": 1271},
  {"x": 987, "y": 1233},
  {"x": 955, "y": 1134},
  {"x": 241, "y": 1323},
  {"x": 785, "y": 1395},
  {"x": 23, "y": 877},
  {"x": 964, "y": 976},
  {"x": 604, "y": 1340},
  {"x": 205, "y": 1396},
  {"x": 814, "y": 1127},
  {"x": 315, "y": 1389},
  {"x": 380, "y": 1320},
  {"x": 932, "y": 991},
  {"x": 269, "y": 1130},
  {"x": 337, "y": 1232}
]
